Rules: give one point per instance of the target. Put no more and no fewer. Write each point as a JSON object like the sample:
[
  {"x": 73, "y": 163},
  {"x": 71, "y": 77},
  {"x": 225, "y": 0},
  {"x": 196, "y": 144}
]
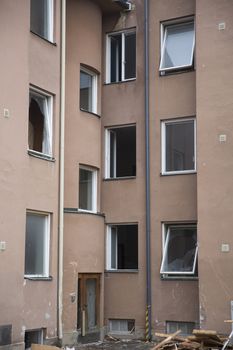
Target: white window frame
[
  {"x": 94, "y": 100},
  {"x": 49, "y": 106},
  {"x": 163, "y": 146},
  {"x": 165, "y": 239},
  {"x": 163, "y": 31},
  {"x": 94, "y": 189},
  {"x": 46, "y": 247},
  {"x": 108, "y": 55},
  {"x": 119, "y": 331},
  {"x": 50, "y": 19},
  {"x": 109, "y": 247}
]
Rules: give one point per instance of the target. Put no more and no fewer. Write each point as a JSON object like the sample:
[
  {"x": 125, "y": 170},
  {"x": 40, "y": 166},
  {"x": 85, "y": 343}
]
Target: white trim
[
  {"x": 163, "y": 146},
  {"x": 123, "y": 33},
  {"x": 46, "y": 247},
  {"x": 49, "y": 116},
  {"x": 94, "y": 89},
  {"x": 165, "y": 240},
  {"x": 163, "y": 38},
  {"x": 94, "y": 180},
  {"x": 50, "y": 20}
]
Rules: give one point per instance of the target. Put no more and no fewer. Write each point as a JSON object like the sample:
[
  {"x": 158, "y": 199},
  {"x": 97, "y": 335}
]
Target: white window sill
[
  {"x": 119, "y": 82},
  {"x": 38, "y": 278},
  {"x": 122, "y": 271},
  {"x": 119, "y": 178},
  {"x": 84, "y": 211},
  {"x": 44, "y": 38},
  {"x": 40, "y": 155},
  {"x": 184, "y": 172},
  {"x": 168, "y": 277}
]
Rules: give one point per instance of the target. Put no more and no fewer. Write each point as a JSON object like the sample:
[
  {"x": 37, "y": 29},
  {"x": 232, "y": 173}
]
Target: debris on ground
[{"x": 200, "y": 339}]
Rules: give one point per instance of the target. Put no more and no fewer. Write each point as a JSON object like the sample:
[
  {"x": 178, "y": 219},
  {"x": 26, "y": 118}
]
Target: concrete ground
[{"x": 117, "y": 345}]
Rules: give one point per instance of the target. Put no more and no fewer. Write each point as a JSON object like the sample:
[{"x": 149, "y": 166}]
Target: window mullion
[
  {"x": 122, "y": 56},
  {"x": 165, "y": 250}
]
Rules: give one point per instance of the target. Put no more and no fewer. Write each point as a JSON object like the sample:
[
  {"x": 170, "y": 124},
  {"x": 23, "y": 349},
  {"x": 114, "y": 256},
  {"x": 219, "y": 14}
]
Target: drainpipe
[
  {"x": 61, "y": 173},
  {"x": 147, "y": 135}
]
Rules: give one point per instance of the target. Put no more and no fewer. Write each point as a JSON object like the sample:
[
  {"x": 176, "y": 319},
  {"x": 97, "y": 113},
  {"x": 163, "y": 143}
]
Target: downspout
[
  {"x": 61, "y": 173},
  {"x": 147, "y": 144}
]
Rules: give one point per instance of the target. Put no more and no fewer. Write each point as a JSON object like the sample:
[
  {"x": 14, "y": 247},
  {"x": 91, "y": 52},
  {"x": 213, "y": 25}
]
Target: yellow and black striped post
[{"x": 147, "y": 325}]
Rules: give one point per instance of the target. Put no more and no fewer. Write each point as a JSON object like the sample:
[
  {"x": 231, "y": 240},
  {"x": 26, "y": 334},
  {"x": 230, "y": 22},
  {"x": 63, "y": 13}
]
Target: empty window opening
[
  {"x": 37, "y": 245},
  {"x": 121, "y": 152},
  {"x": 178, "y": 42},
  {"x": 33, "y": 337},
  {"x": 121, "y": 53},
  {"x": 88, "y": 91},
  {"x": 122, "y": 247},
  {"x": 87, "y": 189},
  {"x": 41, "y": 18},
  {"x": 179, "y": 154},
  {"x": 185, "y": 327},
  {"x": 5, "y": 334},
  {"x": 180, "y": 249},
  {"x": 40, "y": 123},
  {"x": 121, "y": 326}
]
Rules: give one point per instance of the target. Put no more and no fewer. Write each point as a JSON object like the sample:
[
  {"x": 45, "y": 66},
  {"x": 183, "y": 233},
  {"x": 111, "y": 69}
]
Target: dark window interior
[
  {"x": 39, "y": 17},
  {"x": 33, "y": 337},
  {"x": 116, "y": 48},
  {"x": 123, "y": 160},
  {"x": 5, "y": 334},
  {"x": 130, "y": 55},
  {"x": 35, "y": 127},
  {"x": 85, "y": 91},
  {"x": 127, "y": 247}
]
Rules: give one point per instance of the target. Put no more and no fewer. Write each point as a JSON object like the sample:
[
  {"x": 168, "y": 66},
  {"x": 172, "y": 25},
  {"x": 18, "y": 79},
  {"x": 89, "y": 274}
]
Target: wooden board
[{"x": 44, "y": 347}]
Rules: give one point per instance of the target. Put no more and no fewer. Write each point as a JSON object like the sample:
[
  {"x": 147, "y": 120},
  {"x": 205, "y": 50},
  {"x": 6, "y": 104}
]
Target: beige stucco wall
[
  {"x": 214, "y": 117},
  {"x": 26, "y": 182}
]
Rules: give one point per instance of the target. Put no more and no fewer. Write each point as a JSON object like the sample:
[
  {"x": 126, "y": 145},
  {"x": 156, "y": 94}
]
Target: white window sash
[
  {"x": 50, "y": 19},
  {"x": 164, "y": 39},
  {"x": 47, "y": 133},
  {"x": 162, "y": 270},
  {"x": 94, "y": 89},
  {"x": 94, "y": 181},
  {"x": 123, "y": 57},
  {"x": 109, "y": 249}
]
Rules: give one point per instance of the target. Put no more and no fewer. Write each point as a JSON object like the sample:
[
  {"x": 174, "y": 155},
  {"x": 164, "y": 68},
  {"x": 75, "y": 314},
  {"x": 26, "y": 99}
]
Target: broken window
[
  {"x": 88, "y": 90},
  {"x": 121, "y": 326},
  {"x": 41, "y": 18},
  {"x": 121, "y": 152},
  {"x": 40, "y": 123},
  {"x": 121, "y": 53},
  {"x": 178, "y": 146},
  {"x": 180, "y": 249},
  {"x": 33, "y": 337},
  {"x": 87, "y": 189},
  {"x": 185, "y": 327},
  {"x": 122, "y": 247},
  {"x": 37, "y": 245},
  {"x": 177, "y": 46}
]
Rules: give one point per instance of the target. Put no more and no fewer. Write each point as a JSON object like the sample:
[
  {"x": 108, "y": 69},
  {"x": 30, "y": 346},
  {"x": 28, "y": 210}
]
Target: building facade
[{"x": 84, "y": 255}]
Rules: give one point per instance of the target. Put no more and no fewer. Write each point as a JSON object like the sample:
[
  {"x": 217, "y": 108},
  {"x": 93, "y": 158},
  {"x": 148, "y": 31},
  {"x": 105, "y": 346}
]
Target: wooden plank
[
  {"x": 44, "y": 347},
  {"x": 165, "y": 335},
  {"x": 163, "y": 342},
  {"x": 204, "y": 332}
]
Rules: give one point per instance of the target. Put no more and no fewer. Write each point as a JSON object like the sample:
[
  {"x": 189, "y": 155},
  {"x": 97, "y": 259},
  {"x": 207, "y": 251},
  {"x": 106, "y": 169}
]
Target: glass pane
[
  {"x": 113, "y": 247},
  {"x": 112, "y": 153},
  {"x": 130, "y": 56},
  {"x": 35, "y": 244},
  {"x": 85, "y": 189},
  {"x": 86, "y": 91},
  {"x": 39, "y": 17},
  {"x": 91, "y": 302},
  {"x": 178, "y": 45},
  {"x": 181, "y": 248},
  {"x": 127, "y": 247},
  {"x": 115, "y": 63},
  {"x": 180, "y": 146}
]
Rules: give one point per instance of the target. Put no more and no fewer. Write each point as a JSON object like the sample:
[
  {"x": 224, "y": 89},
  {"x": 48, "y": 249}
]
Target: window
[
  {"x": 41, "y": 18},
  {"x": 33, "y": 337},
  {"x": 37, "y": 245},
  {"x": 180, "y": 250},
  {"x": 177, "y": 48},
  {"x": 88, "y": 91},
  {"x": 122, "y": 326},
  {"x": 185, "y": 327},
  {"x": 87, "y": 189},
  {"x": 178, "y": 146},
  {"x": 121, "y": 56},
  {"x": 40, "y": 122},
  {"x": 122, "y": 247},
  {"x": 120, "y": 157}
]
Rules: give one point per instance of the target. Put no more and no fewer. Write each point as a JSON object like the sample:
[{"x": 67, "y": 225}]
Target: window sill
[
  {"x": 173, "y": 173},
  {"x": 78, "y": 211},
  {"x": 91, "y": 113},
  {"x": 31, "y": 278},
  {"x": 43, "y": 38},
  {"x": 40, "y": 155},
  {"x": 120, "y": 82},
  {"x": 119, "y": 178},
  {"x": 178, "y": 278},
  {"x": 122, "y": 271},
  {"x": 175, "y": 71}
]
